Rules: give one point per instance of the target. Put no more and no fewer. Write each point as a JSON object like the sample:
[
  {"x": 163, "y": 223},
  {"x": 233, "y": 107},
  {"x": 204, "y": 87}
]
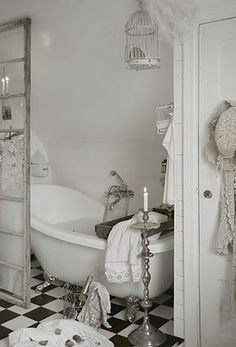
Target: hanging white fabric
[
  {"x": 174, "y": 18},
  {"x": 164, "y": 116},
  {"x": 168, "y": 143}
]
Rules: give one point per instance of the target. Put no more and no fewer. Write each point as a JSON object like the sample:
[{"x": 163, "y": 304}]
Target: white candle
[
  {"x": 7, "y": 84},
  {"x": 3, "y": 86},
  {"x": 145, "y": 199}
]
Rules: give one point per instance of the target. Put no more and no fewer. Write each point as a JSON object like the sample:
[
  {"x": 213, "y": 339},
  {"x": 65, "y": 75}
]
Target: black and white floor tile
[{"x": 49, "y": 305}]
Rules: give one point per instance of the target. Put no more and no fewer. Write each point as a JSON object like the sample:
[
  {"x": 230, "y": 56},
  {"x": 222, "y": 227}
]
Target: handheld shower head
[{"x": 121, "y": 181}]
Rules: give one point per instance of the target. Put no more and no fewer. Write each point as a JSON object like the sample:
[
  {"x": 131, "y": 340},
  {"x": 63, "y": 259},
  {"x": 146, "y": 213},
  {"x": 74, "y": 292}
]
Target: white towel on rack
[
  {"x": 123, "y": 261},
  {"x": 12, "y": 159},
  {"x": 168, "y": 143}
]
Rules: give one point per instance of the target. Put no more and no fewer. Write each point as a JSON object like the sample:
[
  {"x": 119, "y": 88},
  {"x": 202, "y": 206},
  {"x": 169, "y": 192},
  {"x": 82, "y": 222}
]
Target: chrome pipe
[{"x": 121, "y": 181}]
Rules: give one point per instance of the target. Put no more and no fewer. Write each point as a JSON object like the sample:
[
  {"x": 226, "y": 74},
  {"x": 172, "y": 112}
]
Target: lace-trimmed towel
[
  {"x": 12, "y": 159},
  {"x": 123, "y": 261},
  {"x": 221, "y": 151}
]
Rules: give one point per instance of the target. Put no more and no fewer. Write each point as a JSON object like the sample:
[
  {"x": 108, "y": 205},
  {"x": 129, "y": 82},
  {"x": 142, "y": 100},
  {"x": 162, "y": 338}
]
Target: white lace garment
[
  {"x": 221, "y": 151},
  {"x": 97, "y": 306},
  {"x": 12, "y": 159}
]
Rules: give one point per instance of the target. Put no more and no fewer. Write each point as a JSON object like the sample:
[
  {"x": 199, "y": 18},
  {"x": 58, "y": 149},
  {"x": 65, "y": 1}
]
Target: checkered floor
[{"x": 49, "y": 305}]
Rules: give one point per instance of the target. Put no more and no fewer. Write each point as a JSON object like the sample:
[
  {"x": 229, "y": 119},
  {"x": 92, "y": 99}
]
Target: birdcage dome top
[{"x": 141, "y": 22}]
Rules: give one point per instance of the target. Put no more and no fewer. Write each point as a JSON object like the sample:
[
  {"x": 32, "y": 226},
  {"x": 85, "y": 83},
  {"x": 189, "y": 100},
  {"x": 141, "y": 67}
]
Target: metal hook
[
  {"x": 140, "y": 4},
  {"x": 10, "y": 133}
]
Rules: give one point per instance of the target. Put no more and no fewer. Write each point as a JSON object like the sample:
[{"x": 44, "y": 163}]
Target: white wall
[{"x": 90, "y": 112}]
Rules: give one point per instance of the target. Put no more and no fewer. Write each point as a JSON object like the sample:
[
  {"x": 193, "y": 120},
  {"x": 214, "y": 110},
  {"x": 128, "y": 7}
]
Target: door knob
[{"x": 207, "y": 194}]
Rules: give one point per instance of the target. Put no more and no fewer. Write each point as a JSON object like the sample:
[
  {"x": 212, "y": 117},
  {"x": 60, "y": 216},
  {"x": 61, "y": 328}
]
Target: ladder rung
[
  {"x": 11, "y": 198},
  {"x": 9, "y": 232},
  {"x": 12, "y": 96},
  {"x": 12, "y": 266},
  {"x": 11, "y": 297},
  {"x": 12, "y": 61}
]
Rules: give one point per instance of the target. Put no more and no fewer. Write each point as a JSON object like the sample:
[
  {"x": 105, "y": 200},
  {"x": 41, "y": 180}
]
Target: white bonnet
[{"x": 221, "y": 149}]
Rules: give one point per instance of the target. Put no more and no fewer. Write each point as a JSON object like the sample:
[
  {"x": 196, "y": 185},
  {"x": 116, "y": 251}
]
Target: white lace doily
[{"x": 31, "y": 337}]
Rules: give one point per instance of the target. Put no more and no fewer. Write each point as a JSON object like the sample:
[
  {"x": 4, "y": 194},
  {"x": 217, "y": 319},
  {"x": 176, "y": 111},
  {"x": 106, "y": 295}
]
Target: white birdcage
[{"x": 142, "y": 44}]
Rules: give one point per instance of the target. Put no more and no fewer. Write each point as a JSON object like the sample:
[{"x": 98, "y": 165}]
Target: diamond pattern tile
[
  {"x": 18, "y": 323},
  {"x": 7, "y": 315},
  {"x": 49, "y": 306},
  {"x": 163, "y": 311}
]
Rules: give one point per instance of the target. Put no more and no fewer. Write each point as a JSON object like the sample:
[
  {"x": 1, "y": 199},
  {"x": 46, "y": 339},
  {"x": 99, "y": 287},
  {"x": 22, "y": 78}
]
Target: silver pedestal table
[{"x": 146, "y": 335}]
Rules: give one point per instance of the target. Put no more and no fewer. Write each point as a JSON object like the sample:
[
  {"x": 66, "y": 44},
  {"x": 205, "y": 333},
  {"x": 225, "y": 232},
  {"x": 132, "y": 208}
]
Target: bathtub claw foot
[
  {"x": 132, "y": 307},
  {"x": 48, "y": 279}
]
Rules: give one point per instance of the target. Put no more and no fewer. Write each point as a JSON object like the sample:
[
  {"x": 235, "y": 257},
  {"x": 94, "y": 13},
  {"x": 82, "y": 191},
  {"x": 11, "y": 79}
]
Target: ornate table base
[{"x": 146, "y": 335}]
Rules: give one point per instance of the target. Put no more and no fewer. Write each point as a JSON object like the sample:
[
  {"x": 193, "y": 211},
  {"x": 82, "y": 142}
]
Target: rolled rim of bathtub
[
  {"x": 69, "y": 209},
  {"x": 162, "y": 245}
]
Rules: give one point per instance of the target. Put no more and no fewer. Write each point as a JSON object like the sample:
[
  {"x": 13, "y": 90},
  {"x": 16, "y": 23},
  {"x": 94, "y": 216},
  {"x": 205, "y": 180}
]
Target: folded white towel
[
  {"x": 123, "y": 261},
  {"x": 96, "y": 307}
]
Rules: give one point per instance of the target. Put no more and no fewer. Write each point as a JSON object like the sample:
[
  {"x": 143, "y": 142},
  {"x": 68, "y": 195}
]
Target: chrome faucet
[{"x": 118, "y": 191}]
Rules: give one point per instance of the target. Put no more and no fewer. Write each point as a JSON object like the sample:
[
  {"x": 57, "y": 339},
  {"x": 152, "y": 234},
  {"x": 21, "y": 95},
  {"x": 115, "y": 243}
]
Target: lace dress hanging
[{"x": 220, "y": 151}]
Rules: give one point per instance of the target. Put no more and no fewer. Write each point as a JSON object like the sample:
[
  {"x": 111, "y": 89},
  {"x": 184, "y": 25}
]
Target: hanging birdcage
[{"x": 142, "y": 44}]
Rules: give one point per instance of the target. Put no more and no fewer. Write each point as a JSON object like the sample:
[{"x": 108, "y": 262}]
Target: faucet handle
[{"x": 131, "y": 193}]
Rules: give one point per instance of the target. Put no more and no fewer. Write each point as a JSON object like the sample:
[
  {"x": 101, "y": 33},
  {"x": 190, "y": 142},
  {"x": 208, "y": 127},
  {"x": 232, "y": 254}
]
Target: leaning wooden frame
[{"x": 24, "y": 299}]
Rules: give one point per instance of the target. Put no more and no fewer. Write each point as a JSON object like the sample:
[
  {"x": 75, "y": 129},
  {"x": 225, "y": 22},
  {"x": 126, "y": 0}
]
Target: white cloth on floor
[
  {"x": 123, "y": 261},
  {"x": 97, "y": 306},
  {"x": 12, "y": 159},
  {"x": 168, "y": 143},
  {"x": 30, "y": 337}
]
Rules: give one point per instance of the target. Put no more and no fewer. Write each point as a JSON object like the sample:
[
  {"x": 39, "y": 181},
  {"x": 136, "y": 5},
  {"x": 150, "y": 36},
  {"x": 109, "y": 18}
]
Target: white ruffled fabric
[
  {"x": 174, "y": 18},
  {"x": 30, "y": 337},
  {"x": 123, "y": 262},
  {"x": 12, "y": 159},
  {"x": 97, "y": 306}
]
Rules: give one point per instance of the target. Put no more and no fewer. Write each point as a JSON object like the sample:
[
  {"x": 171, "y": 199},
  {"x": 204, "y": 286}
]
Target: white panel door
[{"x": 217, "y": 82}]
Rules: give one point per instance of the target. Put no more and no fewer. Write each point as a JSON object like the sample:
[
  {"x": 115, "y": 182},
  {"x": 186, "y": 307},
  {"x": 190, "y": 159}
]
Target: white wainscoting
[{"x": 179, "y": 239}]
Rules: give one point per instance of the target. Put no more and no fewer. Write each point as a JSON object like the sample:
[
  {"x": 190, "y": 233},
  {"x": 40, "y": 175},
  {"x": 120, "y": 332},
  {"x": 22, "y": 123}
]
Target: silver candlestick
[{"x": 146, "y": 335}]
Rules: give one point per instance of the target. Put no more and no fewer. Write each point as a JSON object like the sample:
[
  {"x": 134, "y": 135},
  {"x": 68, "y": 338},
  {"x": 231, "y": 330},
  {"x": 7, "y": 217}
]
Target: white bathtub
[{"x": 64, "y": 241}]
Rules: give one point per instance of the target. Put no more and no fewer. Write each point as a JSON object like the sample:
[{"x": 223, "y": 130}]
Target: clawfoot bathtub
[{"x": 65, "y": 244}]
